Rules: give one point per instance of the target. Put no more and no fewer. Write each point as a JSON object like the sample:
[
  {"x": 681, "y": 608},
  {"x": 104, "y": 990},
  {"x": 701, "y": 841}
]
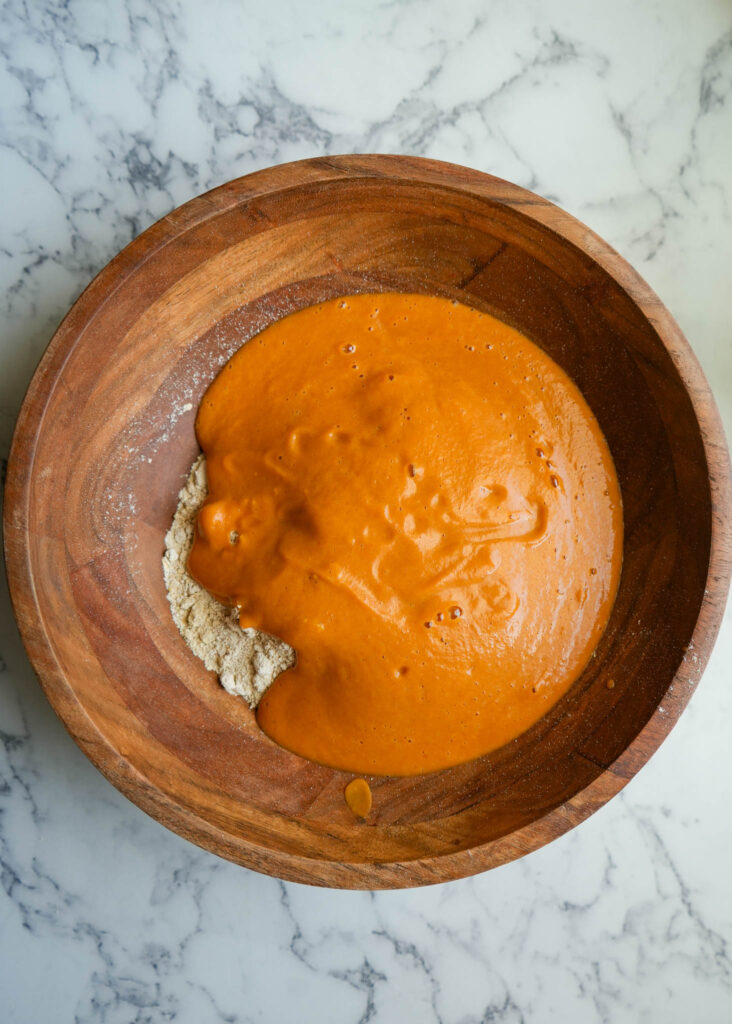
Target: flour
[{"x": 247, "y": 662}]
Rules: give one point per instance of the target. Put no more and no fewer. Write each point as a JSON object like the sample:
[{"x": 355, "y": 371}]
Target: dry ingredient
[{"x": 247, "y": 661}]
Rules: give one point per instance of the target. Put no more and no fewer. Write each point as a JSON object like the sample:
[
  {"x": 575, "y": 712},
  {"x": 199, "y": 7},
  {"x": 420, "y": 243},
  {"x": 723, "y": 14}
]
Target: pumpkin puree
[{"x": 419, "y": 500}]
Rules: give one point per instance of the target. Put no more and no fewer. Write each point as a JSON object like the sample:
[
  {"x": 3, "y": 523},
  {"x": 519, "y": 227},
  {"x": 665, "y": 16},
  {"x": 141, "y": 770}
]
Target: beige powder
[{"x": 247, "y": 662}]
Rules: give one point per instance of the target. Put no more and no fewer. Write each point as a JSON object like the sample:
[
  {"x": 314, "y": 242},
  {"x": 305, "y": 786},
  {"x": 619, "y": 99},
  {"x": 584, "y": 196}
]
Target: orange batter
[{"x": 419, "y": 501}]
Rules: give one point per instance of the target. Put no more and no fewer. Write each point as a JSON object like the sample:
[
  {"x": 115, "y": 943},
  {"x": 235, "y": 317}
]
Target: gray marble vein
[{"x": 111, "y": 114}]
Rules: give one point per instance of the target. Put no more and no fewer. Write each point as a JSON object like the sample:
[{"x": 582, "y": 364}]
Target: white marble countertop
[{"x": 111, "y": 114}]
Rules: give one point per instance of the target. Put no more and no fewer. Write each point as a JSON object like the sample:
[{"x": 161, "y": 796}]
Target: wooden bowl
[{"x": 105, "y": 439}]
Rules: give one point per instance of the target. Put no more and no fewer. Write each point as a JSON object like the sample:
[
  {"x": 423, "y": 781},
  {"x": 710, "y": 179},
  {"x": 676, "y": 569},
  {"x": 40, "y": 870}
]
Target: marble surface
[{"x": 112, "y": 113}]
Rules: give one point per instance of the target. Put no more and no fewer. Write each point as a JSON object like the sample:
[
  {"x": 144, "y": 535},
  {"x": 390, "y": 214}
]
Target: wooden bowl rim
[{"x": 125, "y": 776}]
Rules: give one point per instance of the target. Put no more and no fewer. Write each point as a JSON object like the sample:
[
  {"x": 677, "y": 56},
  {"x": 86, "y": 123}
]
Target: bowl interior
[{"x": 115, "y": 402}]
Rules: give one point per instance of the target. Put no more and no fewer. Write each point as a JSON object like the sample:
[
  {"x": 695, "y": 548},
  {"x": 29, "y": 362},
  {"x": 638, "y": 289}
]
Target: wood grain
[{"x": 105, "y": 439}]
